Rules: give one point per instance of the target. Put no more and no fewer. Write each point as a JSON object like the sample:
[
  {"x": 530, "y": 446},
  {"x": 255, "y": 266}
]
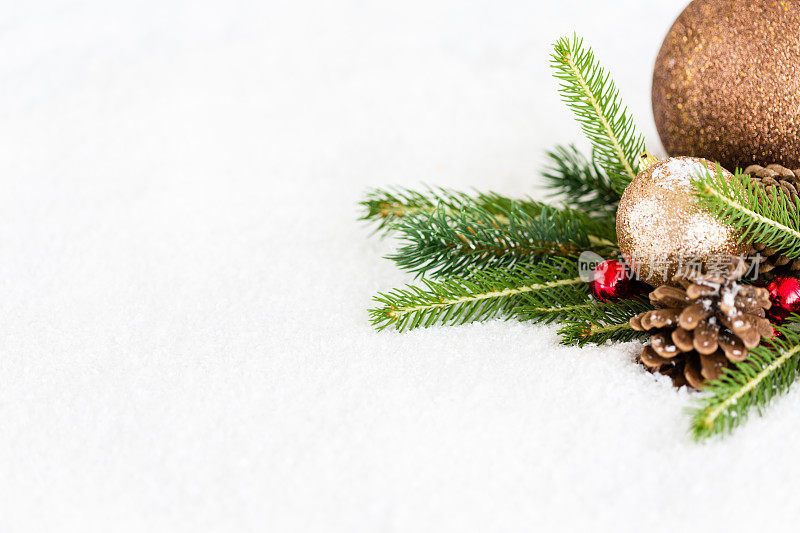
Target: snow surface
[{"x": 185, "y": 345}]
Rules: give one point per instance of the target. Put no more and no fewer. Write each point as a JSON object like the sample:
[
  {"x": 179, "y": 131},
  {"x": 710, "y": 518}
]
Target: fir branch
[
  {"x": 601, "y": 322},
  {"x": 385, "y": 207},
  {"x": 769, "y": 370},
  {"x": 772, "y": 220},
  {"x": 535, "y": 308},
  {"x": 580, "y": 183},
  {"x": 484, "y": 295},
  {"x": 456, "y": 244},
  {"x": 591, "y": 94}
]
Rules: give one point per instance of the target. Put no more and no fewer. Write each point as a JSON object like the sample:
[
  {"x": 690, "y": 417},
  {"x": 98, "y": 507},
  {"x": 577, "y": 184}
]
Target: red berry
[
  {"x": 611, "y": 280},
  {"x": 784, "y": 293}
]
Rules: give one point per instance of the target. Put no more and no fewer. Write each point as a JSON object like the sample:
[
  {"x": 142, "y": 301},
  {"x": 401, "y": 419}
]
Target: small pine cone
[
  {"x": 769, "y": 179},
  {"x": 701, "y": 328}
]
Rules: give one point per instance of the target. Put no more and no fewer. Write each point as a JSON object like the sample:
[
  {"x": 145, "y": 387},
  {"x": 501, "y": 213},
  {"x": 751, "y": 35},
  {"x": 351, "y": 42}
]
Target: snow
[
  {"x": 185, "y": 345},
  {"x": 729, "y": 295},
  {"x": 675, "y": 173}
]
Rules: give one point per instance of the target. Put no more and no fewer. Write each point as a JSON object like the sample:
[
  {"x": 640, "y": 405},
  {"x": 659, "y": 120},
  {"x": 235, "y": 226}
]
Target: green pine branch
[
  {"x": 768, "y": 371},
  {"x": 591, "y": 94},
  {"x": 597, "y": 322},
  {"x": 580, "y": 183},
  {"x": 484, "y": 295},
  {"x": 535, "y": 308},
  {"x": 444, "y": 244},
  {"x": 770, "y": 219},
  {"x": 385, "y": 207}
]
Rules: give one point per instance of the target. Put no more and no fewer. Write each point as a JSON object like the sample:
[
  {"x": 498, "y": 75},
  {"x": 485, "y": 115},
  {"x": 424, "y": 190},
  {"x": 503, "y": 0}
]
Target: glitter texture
[
  {"x": 660, "y": 225},
  {"x": 726, "y": 83}
]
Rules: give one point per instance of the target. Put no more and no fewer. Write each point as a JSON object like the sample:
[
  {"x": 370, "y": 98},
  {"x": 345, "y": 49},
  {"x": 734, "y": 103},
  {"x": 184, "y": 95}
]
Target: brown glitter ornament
[
  {"x": 725, "y": 83},
  {"x": 660, "y": 225}
]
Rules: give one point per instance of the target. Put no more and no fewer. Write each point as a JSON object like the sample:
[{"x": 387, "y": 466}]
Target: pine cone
[
  {"x": 700, "y": 329},
  {"x": 768, "y": 179}
]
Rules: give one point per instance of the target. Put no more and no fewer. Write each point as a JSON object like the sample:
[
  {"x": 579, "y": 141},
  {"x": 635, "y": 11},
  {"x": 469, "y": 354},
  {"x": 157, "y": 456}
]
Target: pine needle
[
  {"x": 456, "y": 244},
  {"x": 591, "y": 94},
  {"x": 774, "y": 221},
  {"x": 581, "y": 184},
  {"x": 602, "y": 322},
  {"x": 484, "y": 295},
  {"x": 386, "y": 206}
]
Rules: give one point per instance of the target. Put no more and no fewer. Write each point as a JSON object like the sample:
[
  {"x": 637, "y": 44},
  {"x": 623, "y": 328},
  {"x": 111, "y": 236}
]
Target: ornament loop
[{"x": 647, "y": 160}]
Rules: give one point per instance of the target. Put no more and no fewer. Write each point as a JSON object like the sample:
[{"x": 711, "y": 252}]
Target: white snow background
[{"x": 184, "y": 342}]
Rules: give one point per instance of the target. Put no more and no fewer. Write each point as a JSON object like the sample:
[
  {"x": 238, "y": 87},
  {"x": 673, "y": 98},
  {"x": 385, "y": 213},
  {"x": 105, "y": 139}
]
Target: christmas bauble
[
  {"x": 725, "y": 83},
  {"x": 612, "y": 280},
  {"x": 661, "y": 228},
  {"x": 784, "y": 293}
]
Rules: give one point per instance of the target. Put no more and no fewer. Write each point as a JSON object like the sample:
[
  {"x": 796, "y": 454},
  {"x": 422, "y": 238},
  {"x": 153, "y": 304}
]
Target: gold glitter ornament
[
  {"x": 660, "y": 225},
  {"x": 725, "y": 83}
]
